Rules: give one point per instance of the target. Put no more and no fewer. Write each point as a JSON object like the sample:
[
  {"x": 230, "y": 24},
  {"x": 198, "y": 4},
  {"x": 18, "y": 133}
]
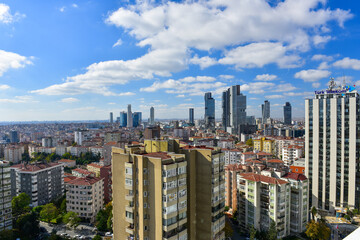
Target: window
[
  {"x": 169, "y": 197},
  {"x": 182, "y": 182},
  {"x": 145, "y": 228},
  {"x": 170, "y": 209},
  {"x": 182, "y": 205},
  {"x": 182, "y": 170},
  {"x": 145, "y": 205},
  {"x": 169, "y": 185},
  {"x": 169, "y": 173},
  {"x": 182, "y": 193},
  {"x": 128, "y": 181},
  {"x": 128, "y": 170},
  {"x": 145, "y": 194}
]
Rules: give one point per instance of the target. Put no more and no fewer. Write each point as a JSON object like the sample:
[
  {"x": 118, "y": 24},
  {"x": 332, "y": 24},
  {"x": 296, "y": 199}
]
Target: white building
[
  {"x": 13, "y": 153},
  {"x": 332, "y": 123},
  {"x": 291, "y": 153},
  {"x": 85, "y": 196},
  {"x": 232, "y": 156}
]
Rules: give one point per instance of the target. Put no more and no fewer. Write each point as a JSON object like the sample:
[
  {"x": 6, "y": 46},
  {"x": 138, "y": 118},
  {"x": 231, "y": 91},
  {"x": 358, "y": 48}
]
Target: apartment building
[
  {"x": 85, "y": 196},
  {"x": 264, "y": 145},
  {"x": 5, "y": 196},
  {"x": 43, "y": 182},
  {"x": 106, "y": 175},
  {"x": 95, "y": 168},
  {"x": 232, "y": 156},
  {"x": 264, "y": 199},
  {"x": 150, "y": 195},
  {"x": 13, "y": 153},
  {"x": 291, "y": 153},
  {"x": 231, "y": 192},
  {"x": 299, "y": 207}
]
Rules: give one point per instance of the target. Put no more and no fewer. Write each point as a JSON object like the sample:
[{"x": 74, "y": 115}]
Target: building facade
[
  {"x": 234, "y": 109},
  {"x": 287, "y": 113},
  {"x": 129, "y": 117},
  {"x": 152, "y": 116},
  {"x": 332, "y": 147},
  {"x": 209, "y": 110},
  {"x": 5, "y": 197},
  {"x": 191, "y": 116},
  {"x": 123, "y": 119},
  {"x": 85, "y": 196},
  {"x": 42, "y": 182},
  {"x": 265, "y": 110}
]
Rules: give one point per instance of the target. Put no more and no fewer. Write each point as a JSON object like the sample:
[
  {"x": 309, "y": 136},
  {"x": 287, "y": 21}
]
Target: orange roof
[
  {"x": 84, "y": 181},
  {"x": 275, "y": 161},
  {"x": 82, "y": 171},
  {"x": 263, "y": 153},
  {"x": 295, "y": 176},
  {"x": 261, "y": 178},
  {"x": 68, "y": 178},
  {"x": 66, "y": 161},
  {"x": 94, "y": 165},
  {"x": 34, "y": 167},
  {"x": 249, "y": 153}
]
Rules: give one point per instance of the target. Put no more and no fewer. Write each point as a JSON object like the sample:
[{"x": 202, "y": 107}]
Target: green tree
[
  {"x": 63, "y": 206},
  {"x": 97, "y": 237},
  {"x": 71, "y": 219},
  {"x": 7, "y": 235},
  {"x": 25, "y": 156},
  {"x": 250, "y": 142},
  {"x": 66, "y": 155},
  {"x": 313, "y": 212},
  {"x": 49, "y": 212},
  {"x": 253, "y": 232},
  {"x": 272, "y": 233},
  {"x": 104, "y": 218},
  {"x": 317, "y": 230},
  {"x": 28, "y": 225},
  {"x": 20, "y": 204}
]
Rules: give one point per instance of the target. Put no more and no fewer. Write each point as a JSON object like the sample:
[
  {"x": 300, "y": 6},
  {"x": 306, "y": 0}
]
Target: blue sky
[{"x": 80, "y": 60}]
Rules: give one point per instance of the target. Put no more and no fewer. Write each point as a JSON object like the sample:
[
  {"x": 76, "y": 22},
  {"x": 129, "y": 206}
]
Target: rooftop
[
  {"x": 261, "y": 178},
  {"x": 84, "y": 181},
  {"x": 34, "y": 167},
  {"x": 162, "y": 155},
  {"x": 295, "y": 176}
]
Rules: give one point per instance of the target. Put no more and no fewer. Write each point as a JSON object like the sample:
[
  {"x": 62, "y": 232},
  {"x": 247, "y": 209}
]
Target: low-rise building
[
  {"x": 79, "y": 172},
  {"x": 13, "y": 153},
  {"x": 68, "y": 163},
  {"x": 95, "y": 168},
  {"x": 232, "y": 156},
  {"x": 85, "y": 196},
  {"x": 291, "y": 153}
]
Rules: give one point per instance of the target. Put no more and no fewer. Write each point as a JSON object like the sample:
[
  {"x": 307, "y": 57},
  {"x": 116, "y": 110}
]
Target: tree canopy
[
  {"x": 317, "y": 230},
  {"x": 20, "y": 204},
  {"x": 71, "y": 219},
  {"x": 49, "y": 212},
  {"x": 104, "y": 218}
]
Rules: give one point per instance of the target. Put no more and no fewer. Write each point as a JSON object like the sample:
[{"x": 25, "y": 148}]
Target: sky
[{"x": 80, "y": 60}]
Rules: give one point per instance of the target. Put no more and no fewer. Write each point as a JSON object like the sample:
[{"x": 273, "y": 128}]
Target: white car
[{"x": 108, "y": 234}]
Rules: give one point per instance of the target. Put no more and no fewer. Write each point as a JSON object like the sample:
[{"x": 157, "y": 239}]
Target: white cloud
[
  {"x": 321, "y": 57},
  {"x": 74, "y": 5},
  {"x": 312, "y": 75},
  {"x": 4, "y": 87},
  {"x": 69, "y": 100},
  {"x": 180, "y": 96},
  {"x": 118, "y": 43},
  {"x": 111, "y": 103},
  {"x": 18, "y": 99},
  {"x": 285, "y": 87},
  {"x": 9, "y": 60},
  {"x": 323, "y": 65},
  {"x": 203, "y": 62},
  {"x": 265, "y": 77},
  {"x": 62, "y": 9},
  {"x": 348, "y": 63},
  {"x": 257, "y": 87},
  {"x": 320, "y": 40},
  {"x": 198, "y": 79},
  {"x": 226, "y": 77},
  {"x": 253, "y": 32},
  {"x": 274, "y": 96},
  {"x": 6, "y": 16}
]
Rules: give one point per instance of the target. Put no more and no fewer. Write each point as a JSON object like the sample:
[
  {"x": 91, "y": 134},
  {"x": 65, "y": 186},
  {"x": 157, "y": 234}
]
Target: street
[
  {"x": 236, "y": 234},
  {"x": 84, "y": 230}
]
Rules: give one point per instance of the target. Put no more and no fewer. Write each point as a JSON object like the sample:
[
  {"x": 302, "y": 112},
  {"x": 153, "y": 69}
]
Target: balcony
[
  {"x": 129, "y": 220},
  {"x": 130, "y": 230},
  {"x": 129, "y": 209},
  {"x": 129, "y": 197}
]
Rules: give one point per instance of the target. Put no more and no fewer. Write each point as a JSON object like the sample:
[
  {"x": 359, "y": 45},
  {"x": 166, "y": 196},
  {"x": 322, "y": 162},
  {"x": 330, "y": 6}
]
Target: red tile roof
[
  {"x": 82, "y": 171},
  {"x": 34, "y": 167},
  {"x": 261, "y": 178},
  {"x": 68, "y": 178},
  {"x": 275, "y": 161},
  {"x": 84, "y": 181},
  {"x": 295, "y": 176},
  {"x": 94, "y": 165},
  {"x": 263, "y": 153}
]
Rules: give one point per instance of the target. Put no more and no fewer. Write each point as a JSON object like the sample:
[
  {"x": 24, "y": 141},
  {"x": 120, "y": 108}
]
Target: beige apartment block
[
  {"x": 149, "y": 195},
  {"x": 85, "y": 196}
]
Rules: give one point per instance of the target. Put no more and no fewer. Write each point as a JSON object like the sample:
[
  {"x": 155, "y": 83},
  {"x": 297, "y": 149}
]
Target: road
[
  {"x": 84, "y": 230},
  {"x": 236, "y": 234}
]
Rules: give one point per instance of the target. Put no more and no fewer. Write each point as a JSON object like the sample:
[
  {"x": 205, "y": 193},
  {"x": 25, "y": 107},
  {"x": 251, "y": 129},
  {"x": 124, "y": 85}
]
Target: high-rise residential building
[
  {"x": 137, "y": 116},
  {"x": 13, "y": 153},
  {"x": 129, "y": 117},
  {"x": 291, "y": 153},
  {"x": 111, "y": 118},
  {"x": 47, "y": 142},
  {"x": 80, "y": 136},
  {"x": 265, "y": 110},
  {"x": 234, "y": 109},
  {"x": 5, "y": 197},
  {"x": 191, "y": 116},
  {"x": 158, "y": 195},
  {"x": 42, "y": 182},
  {"x": 287, "y": 113},
  {"x": 152, "y": 132},
  {"x": 152, "y": 116},
  {"x": 332, "y": 147},
  {"x": 149, "y": 195},
  {"x": 299, "y": 206},
  {"x": 14, "y": 138},
  {"x": 106, "y": 175},
  {"x": 209, "y": 110},
  {"x": 123, "y": 119},
  {"x": 85, "y": 196},
  {"x": 261, "y": 200}
]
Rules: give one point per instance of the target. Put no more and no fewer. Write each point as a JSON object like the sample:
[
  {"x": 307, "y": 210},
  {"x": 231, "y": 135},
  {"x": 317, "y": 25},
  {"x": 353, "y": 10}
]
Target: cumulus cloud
[
  {"x": 348, "y": 63},
  {"x": 18, "y": 99},
  {"x": 315, "y": 84},
  {"x": 312, "y": 75},
  {"x": 4, "y": 87},
  {"x": 203, "y": 62},
  {"x": 265, "y": 77},
  {"x": 10, "y": 60},
  {"x": 321, "y": 57},
  {"x": 69, "y": 100},
  {"x": 320, "y": 40},
  {"x": 254, "y": 34},
  {"x": 6, "y": 16},
  {"x": 274, "y": 96},
  {"x": 118, "y": 43}
]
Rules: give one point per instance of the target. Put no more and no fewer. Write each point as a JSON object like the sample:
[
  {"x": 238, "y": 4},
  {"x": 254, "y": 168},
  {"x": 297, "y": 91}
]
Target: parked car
[{"x": 108, "y": 234}]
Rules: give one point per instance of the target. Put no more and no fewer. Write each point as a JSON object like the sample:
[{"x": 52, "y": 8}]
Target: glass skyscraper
[
  {"x": 265, "y": 110},
  {"x": 123, "y": 119},
  {"x": 209, "y": 110},
  {"x": 287, "y": 113},
  {"x": 191, "y": 116}
]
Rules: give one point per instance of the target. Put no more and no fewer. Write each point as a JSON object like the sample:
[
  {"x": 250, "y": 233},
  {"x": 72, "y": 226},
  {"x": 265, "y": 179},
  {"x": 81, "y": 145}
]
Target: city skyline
[{"x": 82, "y": 60}]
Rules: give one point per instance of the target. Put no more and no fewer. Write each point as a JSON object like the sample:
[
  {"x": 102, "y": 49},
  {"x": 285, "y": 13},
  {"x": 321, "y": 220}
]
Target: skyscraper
[
  {"x": 137, "y": 119},
  {"x": 209, "y": 110},
  {"x": 265, "y": 110},
  {"x": 123, "y": 119},
  {"x": 287, "y": 113},
  {"x": 111, "y": 118},
  {"x": 152, "y": 116},
  {"x": 332, "y": 148},
  {"x": 14, "y": 136},
  {"x": 191, "y": 116},
  {"x": 234, "y": 109},
  {"x": 129, "y": 117}
]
